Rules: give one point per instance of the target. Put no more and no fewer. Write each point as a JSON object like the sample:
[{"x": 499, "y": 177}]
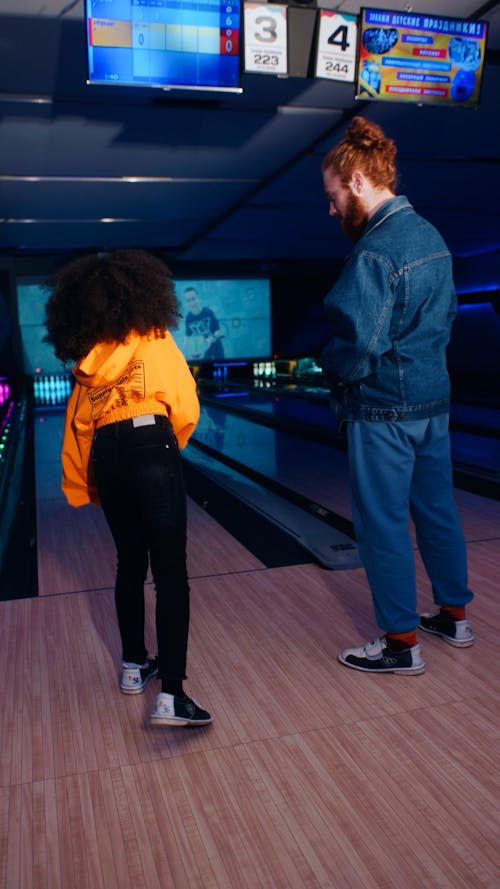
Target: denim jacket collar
[{"x": 393, "y": 205}]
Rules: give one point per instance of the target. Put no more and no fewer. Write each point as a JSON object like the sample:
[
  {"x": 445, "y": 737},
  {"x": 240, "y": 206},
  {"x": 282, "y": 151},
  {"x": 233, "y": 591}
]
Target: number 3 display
[
  {"x": 336, "y": 53},
  {"x": 265, "y": 38}
]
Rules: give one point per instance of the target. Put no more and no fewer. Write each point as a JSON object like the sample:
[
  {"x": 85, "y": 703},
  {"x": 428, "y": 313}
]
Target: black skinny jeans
[{"x": 138, "y": 473}]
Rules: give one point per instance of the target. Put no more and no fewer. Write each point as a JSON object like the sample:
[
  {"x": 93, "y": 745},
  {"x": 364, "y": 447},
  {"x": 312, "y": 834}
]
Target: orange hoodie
[{"x": 117, "y": 381}]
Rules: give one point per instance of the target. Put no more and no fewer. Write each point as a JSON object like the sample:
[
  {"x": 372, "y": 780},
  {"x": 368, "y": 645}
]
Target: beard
[{"x": 354, "y": 218}]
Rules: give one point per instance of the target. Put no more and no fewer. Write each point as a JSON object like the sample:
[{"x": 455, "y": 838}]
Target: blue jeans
[
  {"x": 138, "y": 473},
  {"x": 397, "y": 470}
]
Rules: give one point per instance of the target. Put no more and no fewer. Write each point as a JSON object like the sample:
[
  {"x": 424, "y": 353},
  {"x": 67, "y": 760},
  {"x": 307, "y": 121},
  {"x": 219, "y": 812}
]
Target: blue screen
[
  {"x": 224, "y": 319},
  {"x": 164, "y": 43},
  {"x": 419, "y": 57},
  {"x": 31, "y": 301},
  {"x": 221, "y": 318}
]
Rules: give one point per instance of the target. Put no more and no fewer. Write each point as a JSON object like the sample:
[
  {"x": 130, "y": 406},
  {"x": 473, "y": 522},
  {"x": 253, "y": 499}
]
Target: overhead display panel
[
  {"x": 188, "y": 44},
  {"x": 422, "y": 58}
]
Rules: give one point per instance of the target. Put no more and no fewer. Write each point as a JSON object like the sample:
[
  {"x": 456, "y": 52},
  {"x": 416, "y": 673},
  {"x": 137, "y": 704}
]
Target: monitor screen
[
  {"x": 187, "y": 44},
  {"x": 418, "y": 57},
  {"x": 38, "y": 357},
  {"x": 221, "y": 319},
  {"x": 224, "y": 319}
]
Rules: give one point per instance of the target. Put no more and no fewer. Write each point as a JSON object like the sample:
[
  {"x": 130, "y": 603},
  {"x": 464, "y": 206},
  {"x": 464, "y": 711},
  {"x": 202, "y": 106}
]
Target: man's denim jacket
[{"x": 390, "y": 313}]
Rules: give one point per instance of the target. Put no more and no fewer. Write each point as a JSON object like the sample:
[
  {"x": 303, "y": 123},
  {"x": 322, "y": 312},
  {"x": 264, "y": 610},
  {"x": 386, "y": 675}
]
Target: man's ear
[{"x": 357, "y": 181}]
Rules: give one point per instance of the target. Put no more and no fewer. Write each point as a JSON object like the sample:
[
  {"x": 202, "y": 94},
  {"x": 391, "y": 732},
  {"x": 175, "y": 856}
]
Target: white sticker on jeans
[{"x": 145, "y": 420}]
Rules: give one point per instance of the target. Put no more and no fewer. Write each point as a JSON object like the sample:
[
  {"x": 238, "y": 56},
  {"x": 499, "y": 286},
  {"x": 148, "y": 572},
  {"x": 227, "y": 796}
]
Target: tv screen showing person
[
  {"x": 203, "y": 332},
  {"x": 238, "y": 308},
  {"x": 224, "y": 318}
]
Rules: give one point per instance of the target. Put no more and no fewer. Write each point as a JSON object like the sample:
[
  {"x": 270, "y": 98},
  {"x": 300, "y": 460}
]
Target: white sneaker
[
  {"x": 454, "y": 632},
  {"x": 376, "y": 657},
  {"x": 135, "y": 677},
  {"x": 170, "y": 710}
]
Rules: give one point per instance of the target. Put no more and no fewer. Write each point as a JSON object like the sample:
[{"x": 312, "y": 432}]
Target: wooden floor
[{"x": 311, "y": 775}]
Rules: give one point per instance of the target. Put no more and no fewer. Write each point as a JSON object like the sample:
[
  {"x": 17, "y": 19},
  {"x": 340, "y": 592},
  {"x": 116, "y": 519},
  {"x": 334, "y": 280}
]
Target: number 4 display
[{"x": 336, "y": 52}]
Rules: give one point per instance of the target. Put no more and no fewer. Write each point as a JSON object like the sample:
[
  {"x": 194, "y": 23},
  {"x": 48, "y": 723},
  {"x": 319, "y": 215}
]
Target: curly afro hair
[{"x": 103, "y": 297}]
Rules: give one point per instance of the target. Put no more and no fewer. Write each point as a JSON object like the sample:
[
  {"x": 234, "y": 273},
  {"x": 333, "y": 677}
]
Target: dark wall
[
  {"x": 299, "y": 325},
  {"x": 474, "y": 354},
  {"x": 10, "y": 364}
]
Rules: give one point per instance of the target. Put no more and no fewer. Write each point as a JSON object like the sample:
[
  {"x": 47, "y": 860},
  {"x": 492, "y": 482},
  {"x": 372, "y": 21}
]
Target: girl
[{"x": 133, "y": 407}]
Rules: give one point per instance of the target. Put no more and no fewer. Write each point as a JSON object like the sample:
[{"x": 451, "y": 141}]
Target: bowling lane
[
  {"x": 313, "y": 470},
  {"x": 272, "y": 406},
  {"x": 474, "y": 432},
  {"x": 310, "y": 469},
  {"x": 276, "y": 403}
]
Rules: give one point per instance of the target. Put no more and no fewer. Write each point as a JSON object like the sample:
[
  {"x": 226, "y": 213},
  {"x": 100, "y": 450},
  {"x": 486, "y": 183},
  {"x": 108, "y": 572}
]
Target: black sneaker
[
  {"x": 170, "y": 710},
  {"x": 376, "y": 657},
  {"x": 455, "y": 632},
  {"x": 135, "y": 677}
]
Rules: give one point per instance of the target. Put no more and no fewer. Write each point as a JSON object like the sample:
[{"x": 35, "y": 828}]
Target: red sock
[
  {"x": 457, "y": 613},
  {"x": 401, "y": 641}
]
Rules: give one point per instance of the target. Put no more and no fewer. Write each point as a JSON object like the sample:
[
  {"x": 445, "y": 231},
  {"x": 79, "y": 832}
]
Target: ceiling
[{"x": 210, "y": 177}]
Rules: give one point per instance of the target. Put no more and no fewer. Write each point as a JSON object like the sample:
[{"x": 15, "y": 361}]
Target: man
[
  {"x": 202, "y": 329},
  {"x": 390, "y": 313}
]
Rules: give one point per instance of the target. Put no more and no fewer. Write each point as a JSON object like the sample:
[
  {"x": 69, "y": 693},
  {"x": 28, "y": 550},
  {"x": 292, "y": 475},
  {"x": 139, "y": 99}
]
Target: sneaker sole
[
  {"x": 457, "y": 643},
  {"x": 400, "y": 671},
  {"x": 177, "y": 720}
]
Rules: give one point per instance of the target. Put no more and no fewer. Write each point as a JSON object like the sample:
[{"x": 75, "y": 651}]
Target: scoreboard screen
[
  {"x": 422, "y": 58},
  {"x": 186, "y": 44}
]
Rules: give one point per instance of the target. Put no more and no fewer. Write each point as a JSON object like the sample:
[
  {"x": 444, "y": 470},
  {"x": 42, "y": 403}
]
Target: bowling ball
[{"x": 463, "y": 85}]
